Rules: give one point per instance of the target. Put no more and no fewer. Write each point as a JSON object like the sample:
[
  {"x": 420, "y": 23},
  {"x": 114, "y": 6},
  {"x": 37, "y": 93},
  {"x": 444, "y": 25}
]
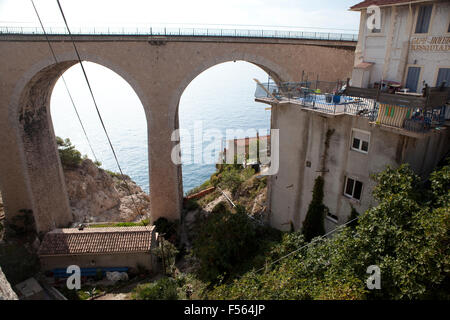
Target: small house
[{"x": 106, "y": 249}]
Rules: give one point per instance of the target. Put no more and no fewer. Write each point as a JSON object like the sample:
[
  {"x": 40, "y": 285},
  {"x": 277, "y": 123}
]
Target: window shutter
[
  {"x": 412, "y": 78},
  {"x": 423, "y": 19},
  {"x": 443, "y": 75}
]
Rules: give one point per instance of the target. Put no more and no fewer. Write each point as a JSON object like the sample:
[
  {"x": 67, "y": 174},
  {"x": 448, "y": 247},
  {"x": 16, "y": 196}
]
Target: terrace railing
[
  {"x": 335, "y": 98},
  {"x": 190, "y": 32},
  {"x": 321, "y": 96},
  {"x": 433, "y": 97}
]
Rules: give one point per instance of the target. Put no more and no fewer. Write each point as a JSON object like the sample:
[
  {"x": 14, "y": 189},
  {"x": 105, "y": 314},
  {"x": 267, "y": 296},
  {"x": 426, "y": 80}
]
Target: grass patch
[
  {"x": 144, "y": 222},
  {"x": 163, "y": 289}
]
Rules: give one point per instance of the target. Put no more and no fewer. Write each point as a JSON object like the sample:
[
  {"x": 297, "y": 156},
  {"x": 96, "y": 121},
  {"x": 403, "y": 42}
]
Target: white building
[
  {"x": 382, "y": 118},
  {"x": 411, "y": 47}
]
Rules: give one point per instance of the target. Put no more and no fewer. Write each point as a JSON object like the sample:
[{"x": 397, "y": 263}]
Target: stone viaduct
[{"x": 158, "y": 69}]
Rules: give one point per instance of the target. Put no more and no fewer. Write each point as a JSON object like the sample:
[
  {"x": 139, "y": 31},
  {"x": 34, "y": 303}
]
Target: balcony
[{"x": 410, "y": 115}]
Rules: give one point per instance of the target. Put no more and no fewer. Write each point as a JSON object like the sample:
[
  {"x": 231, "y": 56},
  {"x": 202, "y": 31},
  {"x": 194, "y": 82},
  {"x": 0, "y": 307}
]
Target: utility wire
[
  {"x": 96, "y": 107},
  {"x": 64, "y": 81},
  {"x": 307, "y": 245}
]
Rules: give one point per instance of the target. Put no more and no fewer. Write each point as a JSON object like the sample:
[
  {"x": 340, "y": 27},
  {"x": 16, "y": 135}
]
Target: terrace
[{"x": 408, "y": 114}]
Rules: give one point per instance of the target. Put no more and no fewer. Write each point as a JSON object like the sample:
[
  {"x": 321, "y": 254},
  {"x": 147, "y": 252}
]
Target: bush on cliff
[
  {"x": 162, "y": 289},
  {"x": 224, "y": 240},
  {"x": 406, "y": 235},
  {"x": 70, "y": 157}
]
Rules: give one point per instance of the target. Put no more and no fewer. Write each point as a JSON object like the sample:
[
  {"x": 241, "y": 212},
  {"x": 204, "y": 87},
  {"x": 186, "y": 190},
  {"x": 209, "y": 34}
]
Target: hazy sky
[{"x": 296, "y": 13}]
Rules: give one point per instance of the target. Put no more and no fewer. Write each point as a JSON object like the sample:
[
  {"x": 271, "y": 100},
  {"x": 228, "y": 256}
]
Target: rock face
[
  {"x": 2, "y": 213},
  {"x": 96, "y": 195},
  {"x": 6, "y": 292}
]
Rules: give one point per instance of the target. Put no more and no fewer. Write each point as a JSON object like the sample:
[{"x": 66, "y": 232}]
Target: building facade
[
  {"x": 99, "y": 248},
  {"x": 394, "y": 110},
  {"x": 411, "y": 47}
]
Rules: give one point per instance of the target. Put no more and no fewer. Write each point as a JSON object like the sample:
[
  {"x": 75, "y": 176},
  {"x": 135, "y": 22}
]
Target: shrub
[
  {"x": 168, "y": 252},
  {"x": 162, "y": 289},
  {"x": 167, "y": 228},
  {"x": 224, "y": 239},
  {"x": 405, "y": 235},
  {"x": 70, "y": 157},
  {"x": 313, "y": 223},
  {"x": 191, "y": 204},
  {"x": 353, "y": 215},
  {"x": 230, "y": 179}
]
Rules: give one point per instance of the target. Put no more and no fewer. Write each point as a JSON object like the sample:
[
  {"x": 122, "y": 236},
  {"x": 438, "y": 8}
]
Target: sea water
[{"x": 220, "y": 98}]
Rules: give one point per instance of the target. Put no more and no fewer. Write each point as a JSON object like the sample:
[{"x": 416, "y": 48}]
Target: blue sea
[{"x": 220, "y": 98}]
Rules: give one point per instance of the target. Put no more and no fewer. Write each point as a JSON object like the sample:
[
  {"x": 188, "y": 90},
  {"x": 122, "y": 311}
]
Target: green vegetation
[
  {"x": 406, "y": 235},
  {"x": 167, "y": 253},
  {"x": 226, "y": 242},
  {"x": 116, "y": 174},
  {"x": 168, "y": 229},
  {"x": 70, "y": 157},
  {"x": 144, "y": 222},
  {"x": 353, "y": 215},
  {"x": 313, "y": 223},
  {"x": 190, "y": 205},
  {"x": 86, "y": 292},
  {"x": 201, "y": 187},
  {"x": 22, "y": 224},
  {"x": 17, "y": 262},
  {"x": 162, "y": 289}
]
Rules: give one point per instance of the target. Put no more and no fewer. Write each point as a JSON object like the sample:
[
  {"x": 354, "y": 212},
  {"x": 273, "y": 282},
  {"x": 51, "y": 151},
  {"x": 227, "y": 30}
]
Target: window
[
  {"x": 443, "y": 75},
  {"x": 333, "y": 217},
  {"x": 375, "y": 30},
  {"x": 412, "y": 79},
  {"x": 360, "y": 140},
  {"x": 423, "y": 18},
  {"x": 353, "y": 188}
]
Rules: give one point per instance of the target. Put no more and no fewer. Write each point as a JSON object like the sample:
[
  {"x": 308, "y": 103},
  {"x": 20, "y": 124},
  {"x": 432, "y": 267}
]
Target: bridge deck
[{"x": 182, "y": 34}]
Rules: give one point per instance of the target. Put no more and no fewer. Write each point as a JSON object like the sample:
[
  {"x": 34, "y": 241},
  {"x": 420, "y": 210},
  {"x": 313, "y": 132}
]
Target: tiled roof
[
  {"x": 96, "y": 240},
  {"x": 368, "y": 3}
]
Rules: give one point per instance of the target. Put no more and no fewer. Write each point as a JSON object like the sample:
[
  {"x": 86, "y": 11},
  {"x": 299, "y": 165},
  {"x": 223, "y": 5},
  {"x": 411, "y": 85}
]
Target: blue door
[{"x": 412, "y": 79}]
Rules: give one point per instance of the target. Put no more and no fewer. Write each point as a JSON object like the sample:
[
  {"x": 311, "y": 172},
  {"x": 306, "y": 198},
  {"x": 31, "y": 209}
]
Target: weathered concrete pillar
[
  {"x": 165, "y": 176},
  {"x": 31, "y": 175},
  {"x": 13, "y": 180}
]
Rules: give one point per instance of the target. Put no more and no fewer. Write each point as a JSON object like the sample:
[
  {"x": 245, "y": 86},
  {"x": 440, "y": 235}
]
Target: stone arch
[
  {"x": 276, "y": 71},
  {"x": 30, "y": 111}
]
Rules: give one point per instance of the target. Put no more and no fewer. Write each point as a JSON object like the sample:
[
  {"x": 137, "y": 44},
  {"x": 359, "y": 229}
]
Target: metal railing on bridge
[{"x": 188, "y": 32}]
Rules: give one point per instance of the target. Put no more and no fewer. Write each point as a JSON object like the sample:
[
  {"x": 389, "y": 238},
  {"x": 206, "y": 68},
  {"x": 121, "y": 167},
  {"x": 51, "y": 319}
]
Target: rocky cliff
[
  {"x": 97, "y": 195},
  {"x": 1, "y": 207},
  {"x": 6, "y": 292}
]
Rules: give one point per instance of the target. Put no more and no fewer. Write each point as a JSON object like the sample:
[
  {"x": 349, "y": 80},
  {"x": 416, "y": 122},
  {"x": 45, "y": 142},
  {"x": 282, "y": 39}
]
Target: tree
[
  {"x": 224, "y": 240},
  {"x": 70, "y": 157},
  {"x": 313, "y": 223},
  {"x": 406, "y": 235}
]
